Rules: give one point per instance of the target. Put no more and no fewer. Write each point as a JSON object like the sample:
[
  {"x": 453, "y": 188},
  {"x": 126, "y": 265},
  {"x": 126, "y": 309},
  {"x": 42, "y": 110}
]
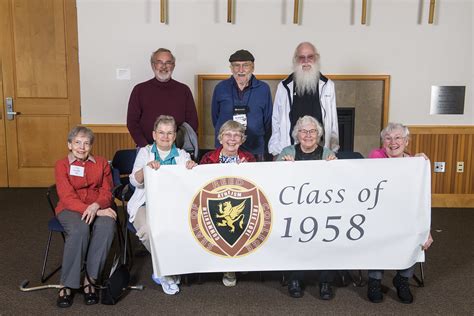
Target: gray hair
[
  {"x": 165, "y": 119},
  {"x": 161, "y": 50},
  {"x": 307, "y": 119},
  {"x": 295, "y": 55},
  {"x": 231, "y": 125},
  {"x": 81, "y": 130},
  {"x": 392, "y": 127}
]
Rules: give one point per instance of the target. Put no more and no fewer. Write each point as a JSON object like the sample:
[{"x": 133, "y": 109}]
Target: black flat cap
[{"x": 241, "y": 55}]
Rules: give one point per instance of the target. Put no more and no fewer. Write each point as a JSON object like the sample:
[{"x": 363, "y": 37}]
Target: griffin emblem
[{"x": 230, "y": 215}]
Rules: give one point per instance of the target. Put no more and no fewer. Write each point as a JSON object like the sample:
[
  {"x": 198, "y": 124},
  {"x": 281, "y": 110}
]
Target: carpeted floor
[{"x": 449, "y": 276}]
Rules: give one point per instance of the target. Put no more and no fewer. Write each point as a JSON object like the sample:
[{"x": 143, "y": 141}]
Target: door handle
[{"x": 10, "y": 113}]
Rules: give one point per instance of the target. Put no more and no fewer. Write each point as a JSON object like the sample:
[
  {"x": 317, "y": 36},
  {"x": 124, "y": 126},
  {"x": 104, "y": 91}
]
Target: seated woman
[
  {"x": 307, "y": 134},
  {"x": 162, "y": 152},
  {"x": 394, "y": 145},
  {"x": 231, "y": 136},
  {"x": 84, "y": 185}
]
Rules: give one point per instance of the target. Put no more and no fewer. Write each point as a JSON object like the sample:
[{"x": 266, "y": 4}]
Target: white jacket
[
  {"x": 281, "y": 115},
  {"x": 144, "y": 156}
]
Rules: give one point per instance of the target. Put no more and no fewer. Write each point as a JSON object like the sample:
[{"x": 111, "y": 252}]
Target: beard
[
  {"x": 162, "y": 76},
  {"x": 243, "y": 78},
  {"x": 306, "y": 80}
]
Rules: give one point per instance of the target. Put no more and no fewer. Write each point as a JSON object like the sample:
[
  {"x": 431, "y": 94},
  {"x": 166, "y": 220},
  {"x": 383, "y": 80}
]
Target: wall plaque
[{"x": 447, "y": 99}]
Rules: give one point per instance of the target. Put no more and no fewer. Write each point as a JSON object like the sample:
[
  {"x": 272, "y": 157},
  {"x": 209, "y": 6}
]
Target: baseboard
[{"x": 452, "y": 200}]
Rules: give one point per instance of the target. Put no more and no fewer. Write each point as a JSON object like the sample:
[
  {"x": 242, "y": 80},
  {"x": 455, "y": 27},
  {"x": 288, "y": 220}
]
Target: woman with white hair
[
  {"x": 231, "y": 136},
  {"x": 162, "y": 152},
  {"x": 307, "y": 136},
  {"x": 394, "y": 145},
  {"x": 84, "y": 209}
]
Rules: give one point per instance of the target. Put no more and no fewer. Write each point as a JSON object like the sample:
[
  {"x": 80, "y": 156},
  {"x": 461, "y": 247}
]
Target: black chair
[
  {"x": 54, "y": 226},
  {"x": 122, "y": 166},
  {"x": 349, "y": 155}
]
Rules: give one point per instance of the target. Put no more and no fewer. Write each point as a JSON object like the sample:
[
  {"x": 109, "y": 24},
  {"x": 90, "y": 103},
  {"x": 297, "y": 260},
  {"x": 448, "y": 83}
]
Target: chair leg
[
  {"x": 359, "y": 282},
  {"x": 420, "y": 281},
  {"x": 128, "y": 253},
  {"x": 283, "y": 281},
  {"x": 45, "y": 260},
  {"x": 342, "y": 275}
]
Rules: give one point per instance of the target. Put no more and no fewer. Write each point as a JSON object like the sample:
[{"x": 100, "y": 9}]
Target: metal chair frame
[
  {"x": 122, "y": 164},
  {"x": 54, "y": 226}
]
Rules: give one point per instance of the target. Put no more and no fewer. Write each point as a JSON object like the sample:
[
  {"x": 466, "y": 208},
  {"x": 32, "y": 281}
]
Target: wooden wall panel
[
  {"x": 439, "y": 143},
  {"x": 110, "y": 138},
  {"x": 449, "y": 145}
]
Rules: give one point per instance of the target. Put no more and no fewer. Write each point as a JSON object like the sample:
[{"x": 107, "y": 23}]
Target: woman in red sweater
[{"x": 84, "y": 186}]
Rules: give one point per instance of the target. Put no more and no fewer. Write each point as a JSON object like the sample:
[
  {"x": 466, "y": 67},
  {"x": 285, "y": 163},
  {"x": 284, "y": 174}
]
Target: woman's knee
[
  {"x": 80, "y": 230},
  {"x": 105, "y": 224}
]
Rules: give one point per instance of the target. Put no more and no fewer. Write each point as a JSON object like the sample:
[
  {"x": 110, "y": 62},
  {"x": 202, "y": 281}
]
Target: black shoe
[
  {"x": 325, "y": 291},
  {"x": 295, "y": 289},
  {"x": 374, "y": 290},
  {"x": 403, "y": 289},
  {"x": 90, "y": 298},
  {"x": 65, "y": 297}
]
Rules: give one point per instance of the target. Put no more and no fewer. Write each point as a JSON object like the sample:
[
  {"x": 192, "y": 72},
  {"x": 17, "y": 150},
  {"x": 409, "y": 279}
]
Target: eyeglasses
[
  {"x": 232, "y": 135},
  {"x": 308, "y": 132},
  {"x": 308, "y": 58},
  {"x": 163, "y": 63},
  {"x": 396, "y": 139},
  {"x": 78, "y": 143},
  {"x": 163, "y": 134},
  {"x": 245, "y": 66}
]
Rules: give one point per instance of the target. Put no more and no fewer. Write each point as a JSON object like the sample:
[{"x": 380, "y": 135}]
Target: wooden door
[
  {"x": 40, "y": 71},
  {"x": 3, "y": 147}
]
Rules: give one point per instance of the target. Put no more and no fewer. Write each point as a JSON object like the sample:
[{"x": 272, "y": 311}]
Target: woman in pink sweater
[{"x": 394, "y": 145}]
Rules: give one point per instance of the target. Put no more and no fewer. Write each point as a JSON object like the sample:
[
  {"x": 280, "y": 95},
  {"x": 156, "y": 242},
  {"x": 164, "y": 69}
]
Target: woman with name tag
[
  {"x": 162, "y": 152},
  {"x": 394, "y": 145},
  {"x": 231, "y": 136},
  {"x": 307, "y": 134},
  {"x": 84, "y": 186}
]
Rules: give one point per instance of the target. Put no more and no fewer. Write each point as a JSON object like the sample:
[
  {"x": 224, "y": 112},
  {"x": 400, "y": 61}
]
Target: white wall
[{"x": 397, "y": 41}]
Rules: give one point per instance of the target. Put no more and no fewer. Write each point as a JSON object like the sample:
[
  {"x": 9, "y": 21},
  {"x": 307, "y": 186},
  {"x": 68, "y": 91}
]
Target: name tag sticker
[
  {"x": 240, "y": 114},
  {"x": 77, "y": 171},
  {"x": 241, "y": 118}
]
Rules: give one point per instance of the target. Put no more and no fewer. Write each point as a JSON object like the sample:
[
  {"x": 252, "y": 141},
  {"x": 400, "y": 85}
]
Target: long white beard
[{"x": 306, "y": 80}]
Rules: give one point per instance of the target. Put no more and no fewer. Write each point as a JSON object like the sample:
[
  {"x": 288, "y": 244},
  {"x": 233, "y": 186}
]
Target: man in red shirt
[{"x": 159, "y": 96}]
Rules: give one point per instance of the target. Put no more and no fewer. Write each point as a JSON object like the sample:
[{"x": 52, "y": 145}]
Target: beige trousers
[{"x": 141, "y": 225}]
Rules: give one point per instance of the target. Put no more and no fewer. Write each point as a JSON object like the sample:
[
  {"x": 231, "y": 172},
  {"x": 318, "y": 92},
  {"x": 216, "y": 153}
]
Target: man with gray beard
[{"x": 305, "y": 92}]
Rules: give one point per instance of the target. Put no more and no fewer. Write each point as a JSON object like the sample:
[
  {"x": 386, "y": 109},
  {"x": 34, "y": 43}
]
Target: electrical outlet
[
  {"x": 460, "y": 166},
  {"x": 439, "y": 166}
]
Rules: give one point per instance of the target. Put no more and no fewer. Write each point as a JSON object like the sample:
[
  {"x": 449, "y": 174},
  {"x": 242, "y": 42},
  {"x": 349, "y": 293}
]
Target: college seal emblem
[{"x": 230, "y": 217}]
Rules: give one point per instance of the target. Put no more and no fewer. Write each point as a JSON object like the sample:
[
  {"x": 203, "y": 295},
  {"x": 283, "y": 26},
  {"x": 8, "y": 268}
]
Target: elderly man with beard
[
  {"x": 159, "y": 96},
  {"x": 305, "y": 92},
  {"x": 246, "y": 100}
]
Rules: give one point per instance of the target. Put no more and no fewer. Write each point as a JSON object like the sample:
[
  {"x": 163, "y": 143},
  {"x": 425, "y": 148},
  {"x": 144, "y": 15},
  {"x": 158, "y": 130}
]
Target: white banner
[{"x": 304, "y": 215}]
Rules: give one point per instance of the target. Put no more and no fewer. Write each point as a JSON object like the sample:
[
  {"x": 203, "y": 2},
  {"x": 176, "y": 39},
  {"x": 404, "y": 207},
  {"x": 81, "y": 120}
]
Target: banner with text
[{"x": 304, "y": 215}]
